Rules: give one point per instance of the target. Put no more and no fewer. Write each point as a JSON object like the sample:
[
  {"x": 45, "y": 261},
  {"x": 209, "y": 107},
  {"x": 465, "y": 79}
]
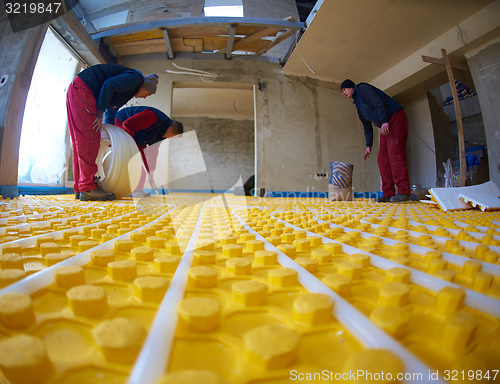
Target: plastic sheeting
[{"x": 43, "y": 148}]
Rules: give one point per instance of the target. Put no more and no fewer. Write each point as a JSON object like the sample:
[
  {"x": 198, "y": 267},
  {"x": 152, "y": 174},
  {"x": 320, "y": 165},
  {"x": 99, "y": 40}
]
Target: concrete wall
[
  {"x": 162, "y": 99},
  {"x": 485, "y": 69},
  {"x": 446, "y": 131},
  {"x": 217, "y": 103},
  {"x": 301, "y": 124},
  {"x": 445, "y": 142},
  {"x": 472, "y": 121},
  {"x": 228, "y": 151},
  {"x": 420, "y": 149},
  {"x": 305, "y": 125}
]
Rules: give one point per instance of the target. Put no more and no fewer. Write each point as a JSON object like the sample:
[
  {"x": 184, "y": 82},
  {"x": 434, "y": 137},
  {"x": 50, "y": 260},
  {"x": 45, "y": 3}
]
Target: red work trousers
[
  {"x": 149, "y": 157},
  {"x": 82, "y": 112},
  {"x": 392, "y": 157}
]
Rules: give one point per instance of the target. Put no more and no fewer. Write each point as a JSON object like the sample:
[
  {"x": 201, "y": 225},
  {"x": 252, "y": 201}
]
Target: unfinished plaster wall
[
  {"x": 306, "y": 124},
  {"x": 485, "y": 69},
  {"x": 162, "y": 99},
  {"x": 301, "y": 124},
  {"x": 444, "y": 140},
  {"x": 228, "y": 151},
  {"x": 420, "y": 149}
]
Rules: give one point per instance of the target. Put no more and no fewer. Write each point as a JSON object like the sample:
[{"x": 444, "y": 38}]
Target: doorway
[
  {"x": 446, "y": 132},
  {"x": 222, "y": 116}
]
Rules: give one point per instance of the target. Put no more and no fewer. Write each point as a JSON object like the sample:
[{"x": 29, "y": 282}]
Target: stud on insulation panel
[
  {"x": 151, "y": 288},
  {"x": 339, "y": 283},
  {"x": 88, "y": 300},
  {"x": 283, "y": 277},
  {"x": 120, "y": 339},
  {"x": 271, "y": 346},
  {"x": 16, "y": 310},
  {"x": 24, "y": 360},
  {"x": 249, "y": 293},
  {"x": 201, "y": 314},
  {"x": 313, "y": 309},
  {"x": 69, "y": 276},
  {"x": 239, "y": 266}
]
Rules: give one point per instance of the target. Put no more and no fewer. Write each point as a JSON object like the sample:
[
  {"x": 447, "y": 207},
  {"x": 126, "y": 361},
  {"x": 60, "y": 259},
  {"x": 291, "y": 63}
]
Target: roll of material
[
  {"x": 340, "y": 184},
  {"x": 339, "y": 193},
  {"x": 119, "y": 162}
]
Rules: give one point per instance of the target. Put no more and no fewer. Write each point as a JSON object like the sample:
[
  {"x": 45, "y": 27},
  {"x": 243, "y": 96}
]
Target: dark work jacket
[
  {"x": 374, "y": 107},
  {"x": 149, "y": 135},
  {"x": 112, "y": 85}
]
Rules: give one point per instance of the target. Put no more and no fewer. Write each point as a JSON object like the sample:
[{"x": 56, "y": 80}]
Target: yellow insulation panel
[{"x": 223, "y": 289}]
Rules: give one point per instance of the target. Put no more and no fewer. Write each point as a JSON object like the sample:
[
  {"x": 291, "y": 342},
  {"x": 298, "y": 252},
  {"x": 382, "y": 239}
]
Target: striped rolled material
[{"x": 341, "y": 174}]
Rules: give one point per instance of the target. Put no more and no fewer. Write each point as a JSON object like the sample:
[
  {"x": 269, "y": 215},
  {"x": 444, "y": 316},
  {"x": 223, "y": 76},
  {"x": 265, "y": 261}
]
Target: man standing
[
  {"x": 98, "y": 89},
  {"x": 147, "y": 126},
  {"x": 376, "y": 107}
]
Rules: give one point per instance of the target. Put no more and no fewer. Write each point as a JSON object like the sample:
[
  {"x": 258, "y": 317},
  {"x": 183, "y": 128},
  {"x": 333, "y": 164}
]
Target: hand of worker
[
  {"x": 97, "y": 124},
  {"x": 385, "y": 129},
  {"x": 367, "y": 153}
]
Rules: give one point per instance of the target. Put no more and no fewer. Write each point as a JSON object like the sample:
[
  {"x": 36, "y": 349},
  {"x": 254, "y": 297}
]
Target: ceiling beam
[
  {"x": 145, "y": 58},
  {"x": 112, "y": 49},
  {"x": 435, "y": 60},
  {"x": 230, "y": 41},
  {"x": 168, "y": 43},
  {"x": 275, "y": 42},
  {"x": 81, "y": 14},
  {"x": 198, "y": 22},
  {"x": 250, "y": 39}
]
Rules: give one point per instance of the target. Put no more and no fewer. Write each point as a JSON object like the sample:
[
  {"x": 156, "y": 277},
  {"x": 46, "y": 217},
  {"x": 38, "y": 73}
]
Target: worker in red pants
[
  {"x": 99, "y": 89},
  {"x": 147, "y": 126},
  {"x": 376, "y": 107}
]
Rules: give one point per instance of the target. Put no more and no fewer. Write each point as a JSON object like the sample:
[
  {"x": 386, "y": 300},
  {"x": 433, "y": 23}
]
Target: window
[
  {"x": 43, "y": 149},
  {"x": 227, "y": 8}
]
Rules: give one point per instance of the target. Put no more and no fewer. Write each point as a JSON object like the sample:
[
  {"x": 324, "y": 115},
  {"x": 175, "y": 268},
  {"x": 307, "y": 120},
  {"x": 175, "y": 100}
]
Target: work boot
[
  {"x": 400, "y": 198},
  {"x": 97, "y": 194},
  {"x": 383, "y": 199},
  {"x": 77, "y": 195}
]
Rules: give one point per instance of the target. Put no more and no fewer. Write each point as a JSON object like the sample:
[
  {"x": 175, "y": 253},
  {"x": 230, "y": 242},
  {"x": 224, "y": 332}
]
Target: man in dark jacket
[
  {"x": 376, "y": 107},
  {"x": 98, "y": 89},
  {"x": 147, "y": 126}
]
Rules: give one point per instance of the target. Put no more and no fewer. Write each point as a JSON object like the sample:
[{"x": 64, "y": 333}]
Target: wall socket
[{"x": 320, "y": 176}]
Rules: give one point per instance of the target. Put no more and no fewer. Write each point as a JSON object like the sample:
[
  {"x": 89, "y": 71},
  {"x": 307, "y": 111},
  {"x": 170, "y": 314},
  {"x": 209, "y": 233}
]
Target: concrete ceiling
[{"x": 362, "y": 39}]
